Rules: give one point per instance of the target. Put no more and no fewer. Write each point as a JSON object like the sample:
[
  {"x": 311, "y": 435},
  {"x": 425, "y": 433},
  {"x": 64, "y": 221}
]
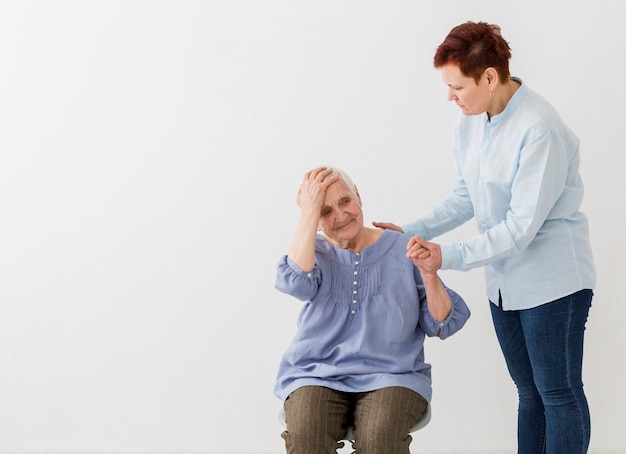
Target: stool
[{"x": 424, "y": 420}]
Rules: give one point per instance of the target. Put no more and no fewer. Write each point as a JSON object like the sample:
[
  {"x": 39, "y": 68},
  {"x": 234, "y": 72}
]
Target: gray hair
[{"x": 345, "y": 177}]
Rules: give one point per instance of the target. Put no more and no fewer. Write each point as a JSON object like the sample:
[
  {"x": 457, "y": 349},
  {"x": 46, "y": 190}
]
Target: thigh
[
  {"x": 314, "y": 410},
  {"x": 511, "y": 336},
  {"x": 383, "y": 418},
  {"x": 554, "y": 334}
]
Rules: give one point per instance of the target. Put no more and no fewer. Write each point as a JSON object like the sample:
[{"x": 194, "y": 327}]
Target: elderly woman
[
  {"x": 358, "y": 354},
  {"x": 518, "y": 176}
]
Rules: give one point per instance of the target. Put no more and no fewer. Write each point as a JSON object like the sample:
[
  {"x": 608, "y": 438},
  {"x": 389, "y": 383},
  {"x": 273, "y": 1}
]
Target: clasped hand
[{"x": 425, "y": 255}]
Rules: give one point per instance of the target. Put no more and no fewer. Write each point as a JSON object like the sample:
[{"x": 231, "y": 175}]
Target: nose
[
  {"x": 340, "y": 218},
  {"x": 451, "y": 95},
  {"x": 340, "y": 215}
]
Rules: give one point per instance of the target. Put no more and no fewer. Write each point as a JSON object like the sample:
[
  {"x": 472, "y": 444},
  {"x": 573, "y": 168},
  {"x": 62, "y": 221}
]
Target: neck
[
  {"x": 501, "y": 98},
  {"x": 363, "y": 240}
]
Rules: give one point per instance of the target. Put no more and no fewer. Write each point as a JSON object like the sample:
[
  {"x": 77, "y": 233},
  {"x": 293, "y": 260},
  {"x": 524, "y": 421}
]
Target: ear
[
  {"x": 492, "y": 76},
  {"x": 358, "y": 196}
]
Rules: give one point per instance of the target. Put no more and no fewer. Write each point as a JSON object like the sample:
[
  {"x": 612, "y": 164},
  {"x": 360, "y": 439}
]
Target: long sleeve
[
  {"x": 534, "y": 190},
  {"x": 457, "y": 318},
  {"x": 292, "y": 280},
  {"x": 449, "y": 214},
  {"x": 519, "y": 172}
]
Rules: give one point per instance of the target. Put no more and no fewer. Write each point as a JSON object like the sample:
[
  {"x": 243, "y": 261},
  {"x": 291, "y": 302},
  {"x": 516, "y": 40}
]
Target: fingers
[
  {"x": 314, "y": 185},
  {"x": 318, "y": 175},
  {"x": 426, "y": 256},
  {"x": 387, "y": 225},
  {"x": 417, "y": 248},
  {"x": 418, "y": 252}
]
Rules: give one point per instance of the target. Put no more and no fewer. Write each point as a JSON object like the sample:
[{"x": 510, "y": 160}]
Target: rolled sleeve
[
  {"x": 459, "y": 315},
  {"x": 292, "y": 280}
]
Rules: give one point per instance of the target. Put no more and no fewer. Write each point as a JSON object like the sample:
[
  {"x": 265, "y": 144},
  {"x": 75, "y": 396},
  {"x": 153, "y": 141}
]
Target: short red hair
[{"x": 474, "y": 47}]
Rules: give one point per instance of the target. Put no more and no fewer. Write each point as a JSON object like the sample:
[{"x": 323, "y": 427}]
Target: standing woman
[{"x": 517, "y": 174}]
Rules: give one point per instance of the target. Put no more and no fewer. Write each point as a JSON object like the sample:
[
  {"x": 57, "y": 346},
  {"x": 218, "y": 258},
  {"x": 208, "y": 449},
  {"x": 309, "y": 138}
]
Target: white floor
[{"x": 252, "y": 450}]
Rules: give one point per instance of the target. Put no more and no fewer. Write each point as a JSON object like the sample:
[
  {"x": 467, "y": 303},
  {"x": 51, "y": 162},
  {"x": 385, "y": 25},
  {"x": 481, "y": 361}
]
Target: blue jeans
[{"x": 543, "y": 349}]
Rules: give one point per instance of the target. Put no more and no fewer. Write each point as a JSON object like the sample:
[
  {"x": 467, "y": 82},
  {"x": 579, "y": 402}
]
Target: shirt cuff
[{"x": 451, "y": 256}]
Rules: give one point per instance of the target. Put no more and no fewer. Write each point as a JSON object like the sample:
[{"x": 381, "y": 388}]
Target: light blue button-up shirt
[
  {"x": 364, "y": 320},
  {"x": 518, "y": 176}
]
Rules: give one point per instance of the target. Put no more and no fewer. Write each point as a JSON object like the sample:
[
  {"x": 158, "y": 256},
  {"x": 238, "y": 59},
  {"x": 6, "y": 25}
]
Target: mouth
[{"x": 343, "y": 226}]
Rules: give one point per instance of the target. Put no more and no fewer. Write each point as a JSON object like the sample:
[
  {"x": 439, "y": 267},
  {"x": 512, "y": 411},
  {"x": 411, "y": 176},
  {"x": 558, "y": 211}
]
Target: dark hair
[{"x": 473, "y": 47}]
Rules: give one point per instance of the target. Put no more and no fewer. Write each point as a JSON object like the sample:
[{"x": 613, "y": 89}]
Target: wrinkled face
[
  {"x": 472, "y": 98},
  {"x": 341, "y": 216}
]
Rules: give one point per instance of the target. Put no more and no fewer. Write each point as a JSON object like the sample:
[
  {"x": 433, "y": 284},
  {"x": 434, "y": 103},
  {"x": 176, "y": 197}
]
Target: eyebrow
[{"x": 347, "y": 195}]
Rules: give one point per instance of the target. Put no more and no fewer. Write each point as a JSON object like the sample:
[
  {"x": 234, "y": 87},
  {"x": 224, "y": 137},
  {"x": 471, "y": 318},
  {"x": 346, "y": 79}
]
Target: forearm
[
  {"x": 302, "y": 249},
  {"x": 450, "y": 213},
  {"x": 437, "y": 297}
]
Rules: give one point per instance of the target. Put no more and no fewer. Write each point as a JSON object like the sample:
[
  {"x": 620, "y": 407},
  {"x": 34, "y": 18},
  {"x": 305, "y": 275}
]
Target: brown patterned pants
[{"x": 317, "y": 417}]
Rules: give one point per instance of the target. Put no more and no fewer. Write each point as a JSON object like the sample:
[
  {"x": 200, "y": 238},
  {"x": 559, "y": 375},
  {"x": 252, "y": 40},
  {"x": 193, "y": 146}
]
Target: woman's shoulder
[
  {"x": 534, "y": 105},
  {"x": 391, "y": 244}
]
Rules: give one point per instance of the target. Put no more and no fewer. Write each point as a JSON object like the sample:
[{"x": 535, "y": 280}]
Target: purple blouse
[{"x": 364, "y": 320}]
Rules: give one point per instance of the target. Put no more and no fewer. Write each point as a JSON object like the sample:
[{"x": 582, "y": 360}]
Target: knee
[
  {"x": 300, "y": 436},
  {"x": 563, "y": 398},
  {"x": 529, "y": 395},
  {"x": 304, "y": 429},
  {"x": 306, "y": 440},
  {"x": 381, "y": 437},
  {"x": 302, "y": 425}
]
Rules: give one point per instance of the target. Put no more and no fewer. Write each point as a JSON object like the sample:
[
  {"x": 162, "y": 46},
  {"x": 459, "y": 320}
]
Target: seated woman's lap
[{"x": 318, "y": 416}]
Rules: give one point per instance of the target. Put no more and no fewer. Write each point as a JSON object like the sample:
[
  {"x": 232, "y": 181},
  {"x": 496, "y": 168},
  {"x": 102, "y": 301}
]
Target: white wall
[{"x": 149, "y": 157}]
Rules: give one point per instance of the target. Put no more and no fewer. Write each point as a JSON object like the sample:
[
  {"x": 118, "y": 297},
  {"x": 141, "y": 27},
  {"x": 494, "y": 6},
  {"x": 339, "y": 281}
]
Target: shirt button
[
  {"x": 354, "y": 283},
  {"x": 353, "y": 312},
  {"x": 354, "y": 292}
]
